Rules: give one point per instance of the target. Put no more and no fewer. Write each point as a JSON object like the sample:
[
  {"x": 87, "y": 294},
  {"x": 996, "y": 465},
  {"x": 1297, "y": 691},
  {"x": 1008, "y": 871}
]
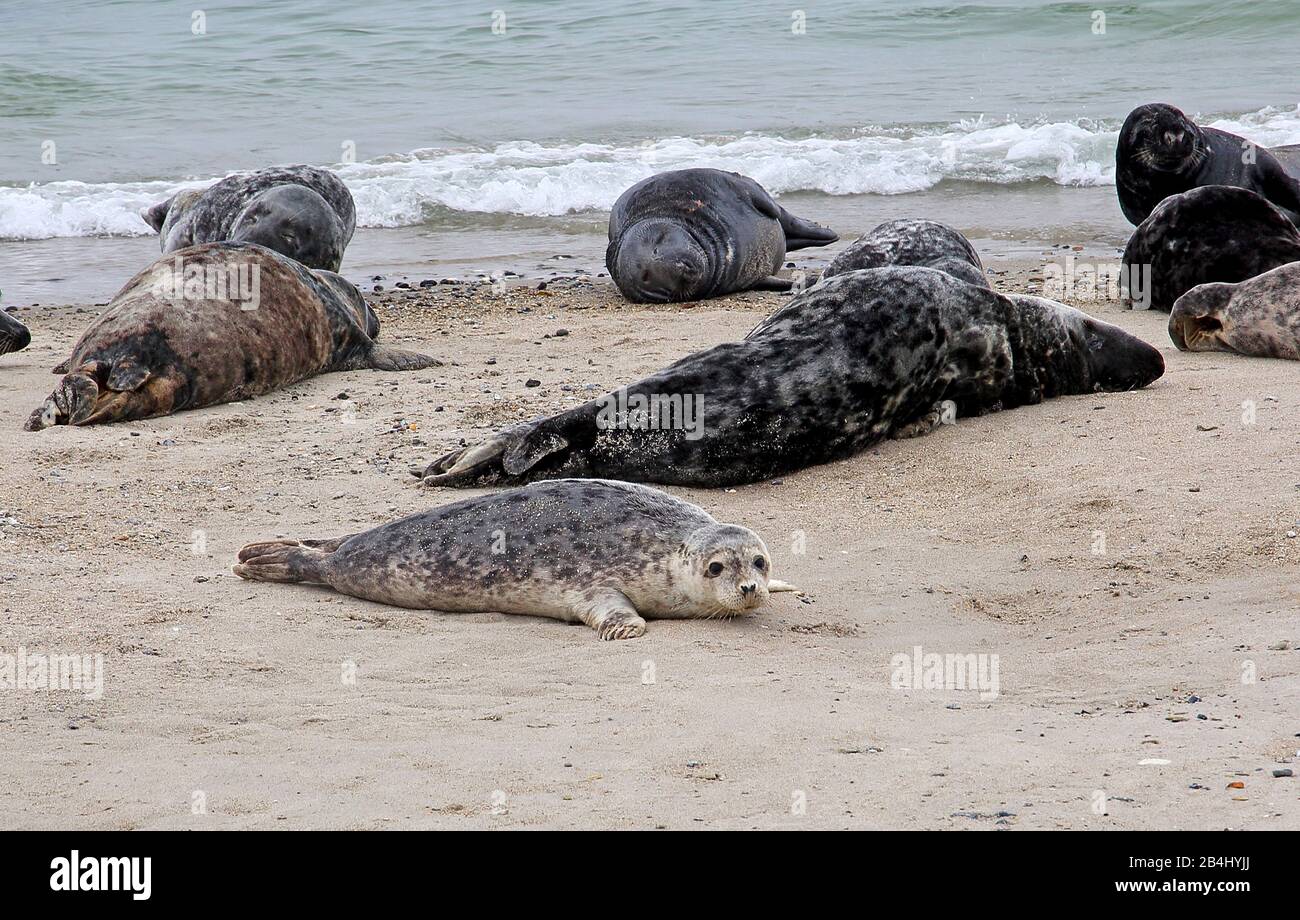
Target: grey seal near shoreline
[
  {"x": 14, "y": 336},
  {"x": 912, "y": 241},
  {"x": 607, "y": 554},
  {"x": 303, "y": 212},
  {"x": 858, "y": 358},
  {"x": 213, "y": 324},
  {"x": 696, "y": 233},
  {"x": 1162, "y": 152},
  {"x": 1259, "y": 317},
  {"x": 1215, "y": 233}
]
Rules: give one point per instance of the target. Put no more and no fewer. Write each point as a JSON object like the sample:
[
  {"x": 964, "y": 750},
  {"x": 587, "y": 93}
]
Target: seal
[
  {"x": 1215, "y": 233},
  {"x": 859, "y": 357},
  {"x": 608, "y": 554},
  {"x": 911, "y": 241},
  {"x": 696, "y": 233},
  {"x": 14, "y": 336},
  {"x": 1161, "y": 152},
  {"x": 303, "y": 212},
  {"x": 212, "y": 324},
  {"x": 1259, "y": 317}
]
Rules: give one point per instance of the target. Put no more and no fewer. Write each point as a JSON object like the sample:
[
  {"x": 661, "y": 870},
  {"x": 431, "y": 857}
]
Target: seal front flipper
[
  {"x": 387, "y": 358},
  {"x": 612, "y": 615}
]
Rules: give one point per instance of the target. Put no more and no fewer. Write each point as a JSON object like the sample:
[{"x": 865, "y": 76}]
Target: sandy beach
[{"x": 1130, "y": 559}]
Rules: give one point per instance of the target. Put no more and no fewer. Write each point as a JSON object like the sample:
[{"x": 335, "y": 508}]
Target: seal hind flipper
[
  {"x": 156, "y": 215},
  {"x": 801, "y": 234},
  {"x": 72, "y": 402},
  {"x": 286, "y": 561},
  {"x": 774, "y": 283},
  {"x": 387, "y": 358}
]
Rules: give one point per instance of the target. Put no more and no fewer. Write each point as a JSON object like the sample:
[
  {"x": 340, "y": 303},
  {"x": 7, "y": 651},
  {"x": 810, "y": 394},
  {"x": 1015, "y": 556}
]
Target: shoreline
[{"x": 978, "y": 538}]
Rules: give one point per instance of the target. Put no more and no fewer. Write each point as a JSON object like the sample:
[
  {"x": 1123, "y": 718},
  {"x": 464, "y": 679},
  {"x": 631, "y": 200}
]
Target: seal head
[
  {"x": 658, "y": 261},
  {"x": 294, "y": 221},
  {"x": 1259, "y": 317}
]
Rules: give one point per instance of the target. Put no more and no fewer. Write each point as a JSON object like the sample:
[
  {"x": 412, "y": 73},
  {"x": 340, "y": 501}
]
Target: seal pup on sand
[
  {"x": 695, "y": 233},
  {"x": 608, "y": 554},
  {"x": 860, "y": 357},
  {"x": 912, "y": 241},
  {"x": 303, "y": 212},
  {"x": 14, "y": 336},
  {"x": 213, "y": 324},
  {"x": 1215, "y": 233},
  {"x": 1162, "y": 152},
  {"x": 1259, "y": 317}
]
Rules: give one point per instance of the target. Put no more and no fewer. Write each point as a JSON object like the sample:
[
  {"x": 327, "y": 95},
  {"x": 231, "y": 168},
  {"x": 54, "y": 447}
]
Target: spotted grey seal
[
  {"x": 695, "y": 233},
  {"x": 1259, "y": 317},
  {"x": 608, "y": 554},
  {"x": 912, "y": 241},
  {"x": 1162, "y": 152},
  {"x": 859, "y": 357},
  {"x": 303, "y": 212},
  {"x": 1215, "y": 233},
  {"x": 14, "y": 336},
  {"x": 213, "y": 324}
]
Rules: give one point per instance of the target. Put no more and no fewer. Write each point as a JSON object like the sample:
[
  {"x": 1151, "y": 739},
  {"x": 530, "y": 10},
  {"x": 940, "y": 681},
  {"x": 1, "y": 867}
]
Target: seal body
[
  {"x": 909, "y": 241},
  {"x": 213, "y": 324},
  {"x": 14, "y": 336},
  {"x": 608, "y": 554},
  {"x": 1259, "y": 317},
  {"x": 696, "y": 233},
  {"x": 1161, "y": 152},
  {"x": 303, "y": 212},
  {"x": 860, "y": 357},
  {"x": 1216, "y": 233}
]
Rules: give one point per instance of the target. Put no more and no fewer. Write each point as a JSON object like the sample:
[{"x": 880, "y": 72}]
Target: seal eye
[
  {"x": 715, "y": 569},
  {"x": 760, "y": 563}
]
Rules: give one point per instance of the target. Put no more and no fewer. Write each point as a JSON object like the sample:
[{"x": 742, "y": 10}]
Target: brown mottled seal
[
  {"x": 14, "y": 336},
  {"x": 1259, "y": 317},
  {"x": 858, "y": 358},
  {"x": 695, "y": 233},
  {"x": 608, "y": 554},
  {"x": 303, "y": 212},
  {"x": 213, "y": 324},
  {"x": 912, "y": 241}
]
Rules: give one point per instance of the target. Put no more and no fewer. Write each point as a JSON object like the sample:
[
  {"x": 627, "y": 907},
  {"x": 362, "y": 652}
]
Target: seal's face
[
  {"x": 13, "y": 334},
  {"x": 659, "y": 262},
  {"x": 293, "y": 221},
  {"x": 1197, "y": 320},
  {"x": 728, "y": 569},
  {"x": 1164, "y": 139}
]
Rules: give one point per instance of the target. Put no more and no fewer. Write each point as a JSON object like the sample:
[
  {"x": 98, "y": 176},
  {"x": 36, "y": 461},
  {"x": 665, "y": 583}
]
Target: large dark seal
[
  {"x": 911, "y": 241},
  {"x": 608, "y": 554},
  {"x": 14, "y": 336},
  {"x": 1259, "y": 317},
  {"x": 696, "y": 233},
  {"x": 1216, "y": 233},
  {"x": 213, "y": 324},
  {"x": 302, "y": 212},
  {"x": 860, "y": 357},
  {"x": 1161, "y": 152}
]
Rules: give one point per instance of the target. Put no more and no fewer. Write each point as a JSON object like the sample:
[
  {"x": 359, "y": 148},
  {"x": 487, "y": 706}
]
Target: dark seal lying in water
[
  {"x": 1216, "y": 233},
  {"x": 910, "y": 241},
  {"x": 696, "y": 233},
  {"x": 1162, "y": 152},
  {"x": 212, "y": 324},
  {"x": 303, "y": 212},
  {"x": 860, "y": 357}
]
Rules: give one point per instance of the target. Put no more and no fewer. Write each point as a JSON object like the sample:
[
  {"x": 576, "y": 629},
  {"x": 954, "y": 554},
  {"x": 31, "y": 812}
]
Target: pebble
[
  {"x": 1278, "y": 774},
  {"x": 532, "y": 382}
]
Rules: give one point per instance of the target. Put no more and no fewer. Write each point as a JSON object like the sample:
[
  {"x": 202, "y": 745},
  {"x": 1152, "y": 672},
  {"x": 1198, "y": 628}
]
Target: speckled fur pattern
[
  {"x": 154, "y": 352},
  {"x": 212, "y": 215},
  {"x": 858, "y": 358},
  {"x": 910, "y": 241},
  {"x": 1211, "y": 234},
  {"x": 1162, "y": 152},
  {"x": 608, "y": 554},
  {"x": 1259, "y": 317},
  {"x": 729, "y": 235},
  {"x": 14, "y": 336}
]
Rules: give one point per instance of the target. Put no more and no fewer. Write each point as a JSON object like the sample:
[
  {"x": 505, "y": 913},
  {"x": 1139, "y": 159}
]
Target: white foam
[{"x": 526, "y": 178}]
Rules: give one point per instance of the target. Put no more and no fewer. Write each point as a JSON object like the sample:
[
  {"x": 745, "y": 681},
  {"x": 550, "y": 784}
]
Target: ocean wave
[{"x": 525, "y": 178}]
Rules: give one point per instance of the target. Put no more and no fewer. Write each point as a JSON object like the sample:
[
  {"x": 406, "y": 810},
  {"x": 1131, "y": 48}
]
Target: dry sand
[{"x": 978, "y": 539}]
